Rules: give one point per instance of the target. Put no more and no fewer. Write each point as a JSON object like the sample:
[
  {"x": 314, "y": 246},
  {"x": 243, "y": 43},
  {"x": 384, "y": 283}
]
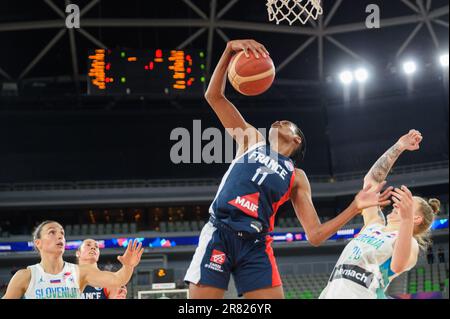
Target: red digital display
[{"x": 115, "y": 72}]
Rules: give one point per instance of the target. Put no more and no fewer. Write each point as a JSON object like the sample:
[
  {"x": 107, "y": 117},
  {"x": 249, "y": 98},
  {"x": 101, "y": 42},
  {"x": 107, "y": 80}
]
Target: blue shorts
[{"x": 221, "y": 253}]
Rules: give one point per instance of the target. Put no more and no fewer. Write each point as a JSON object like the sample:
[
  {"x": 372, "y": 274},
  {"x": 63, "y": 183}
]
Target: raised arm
[
  {"x": 18, "y": 284},
  {"x": 227, "y": 113},
  {"x": 316, "y": 232},
  {"x": 382, "y": 167},
  {"x": 406, "y": 248},
  {"x": 91, "y": 275}
]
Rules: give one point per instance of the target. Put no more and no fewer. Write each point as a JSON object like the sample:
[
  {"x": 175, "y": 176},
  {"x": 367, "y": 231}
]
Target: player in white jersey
[
  {"x": 53, "y": 278},
  {"x": 88, "y": 254},
  {"x": 383, "y": 251}
]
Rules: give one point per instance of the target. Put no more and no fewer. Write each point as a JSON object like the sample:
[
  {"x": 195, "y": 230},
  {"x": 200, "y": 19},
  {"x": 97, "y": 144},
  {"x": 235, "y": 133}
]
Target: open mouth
[{"x": 60, "y": 244}]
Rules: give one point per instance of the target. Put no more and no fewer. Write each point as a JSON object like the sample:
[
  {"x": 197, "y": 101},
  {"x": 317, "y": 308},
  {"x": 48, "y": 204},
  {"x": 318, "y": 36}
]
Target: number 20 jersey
[{"x": 254, "y": 187}]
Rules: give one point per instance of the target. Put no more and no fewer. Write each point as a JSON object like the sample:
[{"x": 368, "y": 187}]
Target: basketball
[{"x": 251, "y": 76}]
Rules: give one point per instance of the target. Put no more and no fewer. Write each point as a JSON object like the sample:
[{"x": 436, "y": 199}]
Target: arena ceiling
[{"x": 36, "y": 43}]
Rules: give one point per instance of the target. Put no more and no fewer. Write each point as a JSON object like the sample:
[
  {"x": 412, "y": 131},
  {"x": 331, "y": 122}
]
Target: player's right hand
[
  {"x": 410, "y": 141},
  {"x": 245, "y": 45},
  {"x": 369, "y": 197}
]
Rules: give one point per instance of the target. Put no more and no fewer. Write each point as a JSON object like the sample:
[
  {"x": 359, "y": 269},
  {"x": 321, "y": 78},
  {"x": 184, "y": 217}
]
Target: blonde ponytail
[{"x": 429, "y": 209}]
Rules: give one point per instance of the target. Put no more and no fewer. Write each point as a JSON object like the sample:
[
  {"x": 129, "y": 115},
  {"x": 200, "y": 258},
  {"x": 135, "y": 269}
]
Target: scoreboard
[{"x": 157, "y": 71}]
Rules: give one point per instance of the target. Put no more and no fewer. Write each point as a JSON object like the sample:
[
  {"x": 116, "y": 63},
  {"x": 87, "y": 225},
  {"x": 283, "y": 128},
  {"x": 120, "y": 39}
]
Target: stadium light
[
  {"x": 409, "y": 67},
  {"x": 443, "y": 59},
  {"x": 361, "y": 75},
  {"x": 346, "y": 77}
]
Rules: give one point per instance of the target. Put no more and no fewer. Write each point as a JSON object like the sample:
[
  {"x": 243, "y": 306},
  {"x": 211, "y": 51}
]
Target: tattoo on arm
[{"x": 381, "y": 168}]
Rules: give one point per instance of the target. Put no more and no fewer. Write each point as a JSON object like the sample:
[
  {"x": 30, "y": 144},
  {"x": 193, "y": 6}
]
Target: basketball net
[{"x": 294, "y": 10}]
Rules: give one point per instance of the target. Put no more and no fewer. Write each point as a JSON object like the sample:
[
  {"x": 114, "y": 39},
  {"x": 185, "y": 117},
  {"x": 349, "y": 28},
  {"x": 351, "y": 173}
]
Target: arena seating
[
  {"x": 177, "y": 226},
  {"x": 422, "y": 278},
  {"x": 428, "y": 278},
  {"x": 100, "y": 229},
  {"x": 307, "y": 286}
]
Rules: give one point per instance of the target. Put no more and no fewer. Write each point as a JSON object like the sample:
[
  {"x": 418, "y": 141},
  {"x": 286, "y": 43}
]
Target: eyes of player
[
  {"x": 90, "y": 245},
  {"x": 52, "y": 231}
]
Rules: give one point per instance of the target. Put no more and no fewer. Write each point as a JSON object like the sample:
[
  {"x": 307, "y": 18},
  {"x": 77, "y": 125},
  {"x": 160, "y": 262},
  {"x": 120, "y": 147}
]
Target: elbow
[
  {"x": 368, "y": 179},
  {"x": 373, "y": 180},
  {"x": 315, "y": 241},
  {"x": 211, "y": 97},
  {"x": 398, "y": 268}
]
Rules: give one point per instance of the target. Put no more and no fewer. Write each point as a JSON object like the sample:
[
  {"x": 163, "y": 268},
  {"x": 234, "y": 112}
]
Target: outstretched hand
[
  {"x": 403, "y": 202},
  {"x": 369, "y": 197},
  {"x": 385, "y": 197},
  {"x": 132, "y": 255},
  {"x": 122, "y": 293}
]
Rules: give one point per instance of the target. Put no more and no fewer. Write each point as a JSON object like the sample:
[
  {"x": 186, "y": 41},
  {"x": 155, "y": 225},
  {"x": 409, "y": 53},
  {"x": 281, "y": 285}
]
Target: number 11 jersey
[{"x": 254, "y": 187}]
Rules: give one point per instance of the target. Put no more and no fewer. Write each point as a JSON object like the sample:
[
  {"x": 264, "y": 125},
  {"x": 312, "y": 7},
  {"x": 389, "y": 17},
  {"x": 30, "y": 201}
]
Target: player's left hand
[
  {"x": 403, "y": 202},
  {"x": 122, "y": 293},
  {"x": 132, "y": 255}
]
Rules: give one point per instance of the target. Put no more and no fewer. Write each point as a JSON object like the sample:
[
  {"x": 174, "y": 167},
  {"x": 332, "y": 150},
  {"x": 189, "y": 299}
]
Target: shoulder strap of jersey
[{"x": 33, "y": 275}]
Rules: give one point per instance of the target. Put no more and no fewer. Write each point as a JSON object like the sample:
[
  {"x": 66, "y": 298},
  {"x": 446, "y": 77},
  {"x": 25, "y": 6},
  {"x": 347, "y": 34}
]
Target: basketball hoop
[{"x": 294, "y": 10}]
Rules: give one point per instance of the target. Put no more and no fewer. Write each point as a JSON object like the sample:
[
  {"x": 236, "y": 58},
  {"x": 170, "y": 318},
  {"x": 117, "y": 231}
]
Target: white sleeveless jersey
[
  {"x": 363, "y": 270},
  {"x": 64, "y": 285}
]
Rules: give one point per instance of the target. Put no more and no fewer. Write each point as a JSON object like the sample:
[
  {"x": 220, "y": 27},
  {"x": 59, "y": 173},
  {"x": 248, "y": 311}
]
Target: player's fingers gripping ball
[{"x": 249, "y": 75}]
